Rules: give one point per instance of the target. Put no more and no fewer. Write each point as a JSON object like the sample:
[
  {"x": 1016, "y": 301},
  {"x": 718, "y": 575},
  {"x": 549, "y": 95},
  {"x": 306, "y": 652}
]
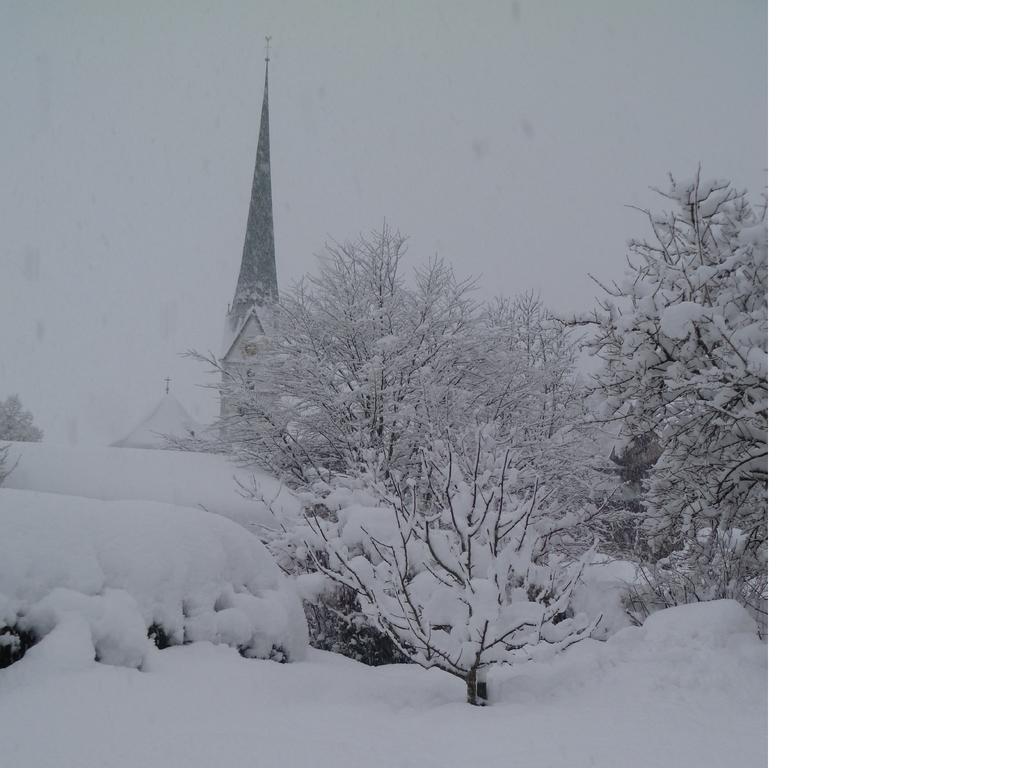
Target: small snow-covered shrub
[
  {"x": 681, "y": 578},
  {"x": 454, "y": 563},
  {"x": 139, "y": 574},
  {"x": 337, "y": 624},
  {"x": 334, "y": 615},
  {"x": 14, "y": 642}
]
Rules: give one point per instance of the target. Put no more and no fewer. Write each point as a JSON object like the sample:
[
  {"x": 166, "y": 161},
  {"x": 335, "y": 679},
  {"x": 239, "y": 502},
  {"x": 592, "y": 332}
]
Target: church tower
[{"x": 251, "y": 314}]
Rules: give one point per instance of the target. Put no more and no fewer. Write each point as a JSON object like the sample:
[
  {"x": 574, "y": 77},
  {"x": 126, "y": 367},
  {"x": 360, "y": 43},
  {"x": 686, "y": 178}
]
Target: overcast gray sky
[{"x": 506, "y": 137}]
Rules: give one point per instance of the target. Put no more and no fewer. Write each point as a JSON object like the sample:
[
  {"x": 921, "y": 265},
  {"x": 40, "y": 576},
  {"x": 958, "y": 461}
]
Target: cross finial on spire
[
  {"x": 167, "y": 385},
  {"x": 267, "y": 59}
]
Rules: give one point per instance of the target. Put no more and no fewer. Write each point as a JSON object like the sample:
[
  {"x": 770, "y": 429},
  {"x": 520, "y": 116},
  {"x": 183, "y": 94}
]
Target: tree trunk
[{"x": 475, "y": 694}]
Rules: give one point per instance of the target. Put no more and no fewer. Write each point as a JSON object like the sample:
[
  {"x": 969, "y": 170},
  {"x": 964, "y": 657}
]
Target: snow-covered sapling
[{"x": 456, "y": 569}]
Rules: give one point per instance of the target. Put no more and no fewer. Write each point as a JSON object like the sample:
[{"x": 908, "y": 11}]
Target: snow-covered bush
[
  {"x": 456, "y": 567},
  {"x": 139, "y": 574},
  {"x": 338, "y": 624},
  {"x": 684, "y": 340},
  {"x": 333, "y": 611}
]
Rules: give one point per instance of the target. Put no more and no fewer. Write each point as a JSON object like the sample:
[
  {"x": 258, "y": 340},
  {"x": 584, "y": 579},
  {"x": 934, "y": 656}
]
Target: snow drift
[
  {"x": 201, "y": 480},
  {"x": 98, "y": 577}
]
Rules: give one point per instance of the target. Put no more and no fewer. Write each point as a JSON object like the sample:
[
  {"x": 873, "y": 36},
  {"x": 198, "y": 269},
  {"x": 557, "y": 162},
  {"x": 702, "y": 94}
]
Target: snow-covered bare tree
[
  {"x": 533, "y": 356},
  {"x": 684, "y": 340},
  {"x": 538, "y": 396},
  {"x": 366, "y": 367},
  {"x": 361, "y": 365},
  {"x": 456, "y": 567},
  {"x": 16, "y": 422}
]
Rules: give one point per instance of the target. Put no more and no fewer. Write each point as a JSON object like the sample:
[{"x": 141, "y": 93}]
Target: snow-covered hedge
[{"x": 139, "y": 574}]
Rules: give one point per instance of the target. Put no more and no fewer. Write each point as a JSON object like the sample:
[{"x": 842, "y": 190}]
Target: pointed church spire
[{"x": 257, "y": 277}]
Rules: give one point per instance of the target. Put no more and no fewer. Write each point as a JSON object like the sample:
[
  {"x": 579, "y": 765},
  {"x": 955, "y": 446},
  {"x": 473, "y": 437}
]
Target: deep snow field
[
  {"x": 89, "y": 575},
  {"x": 688, "y": 691}
]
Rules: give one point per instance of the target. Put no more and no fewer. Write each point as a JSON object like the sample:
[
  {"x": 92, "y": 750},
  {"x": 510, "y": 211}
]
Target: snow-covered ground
[
  {"x": 687, "y": 689},
  {"x": 202, "y": 480},
  {"x": 93, "y": 554}
]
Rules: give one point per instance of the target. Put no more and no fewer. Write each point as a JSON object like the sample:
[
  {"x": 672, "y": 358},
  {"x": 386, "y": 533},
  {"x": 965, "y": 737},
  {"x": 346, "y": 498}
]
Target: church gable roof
[{"x": 169, "y": 419}]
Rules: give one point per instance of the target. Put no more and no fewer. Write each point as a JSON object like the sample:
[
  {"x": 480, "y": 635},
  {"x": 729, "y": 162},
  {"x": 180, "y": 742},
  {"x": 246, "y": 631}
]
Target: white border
[{"x": 895, "y": 170}]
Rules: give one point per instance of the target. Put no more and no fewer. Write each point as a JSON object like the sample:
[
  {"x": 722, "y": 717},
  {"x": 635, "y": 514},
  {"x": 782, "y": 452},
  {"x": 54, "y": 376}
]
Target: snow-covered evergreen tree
[
  {"x": 16, "y": 422},
  {"x": 684, "y": 340}
]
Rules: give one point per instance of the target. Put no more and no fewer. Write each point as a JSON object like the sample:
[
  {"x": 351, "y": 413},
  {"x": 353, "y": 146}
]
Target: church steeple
[{"x": 257, "y": 277}]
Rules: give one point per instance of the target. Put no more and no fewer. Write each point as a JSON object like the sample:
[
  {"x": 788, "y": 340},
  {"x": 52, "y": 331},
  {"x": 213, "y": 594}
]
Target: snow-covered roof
[{"x": 168, "y": 418}]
